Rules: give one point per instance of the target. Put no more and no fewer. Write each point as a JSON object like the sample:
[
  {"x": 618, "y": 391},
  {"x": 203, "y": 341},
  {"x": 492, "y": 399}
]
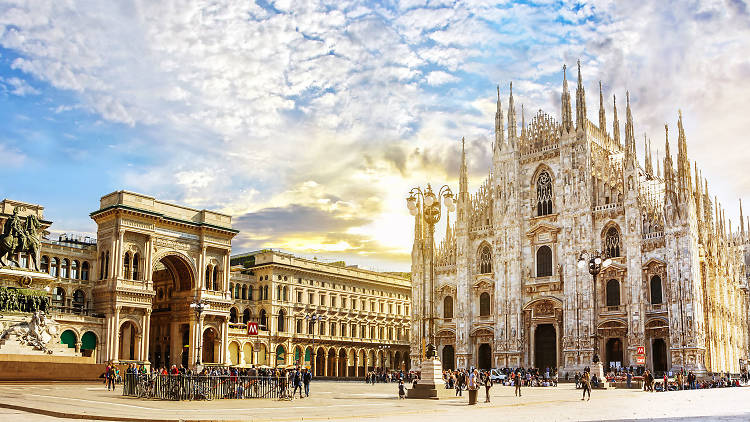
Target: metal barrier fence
[{"x": 197, "y": 387}]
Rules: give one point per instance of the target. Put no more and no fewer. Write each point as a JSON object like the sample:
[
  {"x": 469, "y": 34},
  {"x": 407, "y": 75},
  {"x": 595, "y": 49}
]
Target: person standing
[
  {"x": 518, "y": 383},
  {"x": 629, "y": 378},
  {"x": 586, "y": 384},
  {"x": 487, "y": 380}
]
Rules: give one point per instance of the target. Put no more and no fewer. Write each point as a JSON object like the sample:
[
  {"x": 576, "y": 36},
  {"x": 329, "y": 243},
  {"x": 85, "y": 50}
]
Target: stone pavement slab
[{"x": 359, "y": 401}]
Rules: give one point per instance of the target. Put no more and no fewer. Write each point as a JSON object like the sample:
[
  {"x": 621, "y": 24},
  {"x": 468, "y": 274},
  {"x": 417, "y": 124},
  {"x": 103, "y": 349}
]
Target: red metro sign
[{"x": 252, "y": 328}]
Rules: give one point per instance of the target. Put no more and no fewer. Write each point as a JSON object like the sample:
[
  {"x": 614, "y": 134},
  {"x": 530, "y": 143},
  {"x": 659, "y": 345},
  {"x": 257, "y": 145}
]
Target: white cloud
[
  {"x": 438, "y": 77},
  {"x": 242, "y": 102},
  {"x": 19, "y": 87}
]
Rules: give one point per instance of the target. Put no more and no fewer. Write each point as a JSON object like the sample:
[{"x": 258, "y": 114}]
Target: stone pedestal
[
  {"x": 23, "y": 278},
  {"x": 598, "y": 370},
  {"x": 431, "y": 384}
]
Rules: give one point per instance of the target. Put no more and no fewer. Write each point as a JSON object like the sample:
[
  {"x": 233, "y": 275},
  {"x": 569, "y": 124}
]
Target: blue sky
[{"x": 309, "y": 121}]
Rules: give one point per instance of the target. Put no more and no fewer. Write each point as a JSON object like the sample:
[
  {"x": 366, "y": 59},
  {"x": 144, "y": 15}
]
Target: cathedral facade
[{"x": 507, "y": 290}]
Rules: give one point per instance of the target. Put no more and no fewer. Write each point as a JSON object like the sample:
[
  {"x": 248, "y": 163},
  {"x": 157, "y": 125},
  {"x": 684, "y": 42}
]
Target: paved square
[{"x": 359, "y": 401}]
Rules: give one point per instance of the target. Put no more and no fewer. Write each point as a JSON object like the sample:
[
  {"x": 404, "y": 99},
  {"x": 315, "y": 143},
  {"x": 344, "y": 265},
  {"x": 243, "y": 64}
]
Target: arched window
[
  {"x": 246, "y": 316},
  {"x": 233, "y": 315},
  {"x": 208, "y": 278},
  {"x": 106, "y": 265},
  {"x": 216, "y": 278},
  {"x": 543, "y": 194},
  {"x": 448, "y": 307},
  {"x": 74, "y": 270},
  {"x": 613, "y": 293},
  {"x": 485, "y": 260},
  {"x": 244, "y": 291},
  {"x": 278, "y": 292},
  {"x": 265, "y": 293},
  {"x": 544, "y": 261},
  {"x": 250, "y": 293},
  {"x": 263, "y": 319},
  {"x": 101, "y": 267},
  {"x": 656, "y": 296},
  {"x": 85, "y": 270},
  {"x": 135, "y": 266},
  {"x": 280, "y": 323},
  {"x": 44, "y": 264},
  {"x": 285, "y": 293},
  {"x": 612, "y": 242},
  {"x": 236, "y": 291},
  {"x": 484, "y": 304},
  {"x": 126, "y": 266},
  {"x": 64, "y": 268}
]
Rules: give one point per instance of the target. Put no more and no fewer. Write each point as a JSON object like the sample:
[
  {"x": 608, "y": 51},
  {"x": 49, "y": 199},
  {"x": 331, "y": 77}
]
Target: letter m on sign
[
  {"x": 252, "y": 328},
  {"x": 640, "y": 350}
]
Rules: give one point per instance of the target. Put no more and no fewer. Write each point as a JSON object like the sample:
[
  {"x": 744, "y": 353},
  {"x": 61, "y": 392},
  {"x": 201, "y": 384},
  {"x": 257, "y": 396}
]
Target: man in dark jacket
[{"x": 306, "y": 378}]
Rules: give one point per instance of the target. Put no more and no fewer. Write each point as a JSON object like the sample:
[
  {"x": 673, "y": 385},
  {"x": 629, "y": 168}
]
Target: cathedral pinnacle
[
  {"x": 615, "y": 122},
  {"x": 463, "y": 177},
  {"x": 649, "y": 166},
  {"x": 630, "y": 156},
  {"x": 499, "y": 130},
  {"x": 668, "y": 169},
  {"x": 602, "y": 116},
  {"x": 580, "y": 101},
  {"x": 567, "y": 115},
  {"x": 523, "y": 123},
  {"x": 511, "y": 116},
  {"x": 683, "y": 165}
]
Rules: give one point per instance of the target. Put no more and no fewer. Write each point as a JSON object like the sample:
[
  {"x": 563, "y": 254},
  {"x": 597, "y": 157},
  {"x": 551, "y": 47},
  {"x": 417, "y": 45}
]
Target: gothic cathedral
[{"x": 507, "y": 290}]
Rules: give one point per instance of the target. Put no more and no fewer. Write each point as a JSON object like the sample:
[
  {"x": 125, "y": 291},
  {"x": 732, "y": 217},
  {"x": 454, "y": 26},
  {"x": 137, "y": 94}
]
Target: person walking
[
  {"x": 629, "y": 378},
  {"x": 518, "y": 383},
  {"x": 306, "y": 378},
  {"x": 401, "y": 390},
  {"x": 297, "y": 382},
  {"x": 487, "y": 380},
  {"x": 586, "y": 384}
]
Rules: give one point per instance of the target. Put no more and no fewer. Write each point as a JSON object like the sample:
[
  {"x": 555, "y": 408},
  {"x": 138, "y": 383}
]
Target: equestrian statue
[{"x": 19, "y": 237}]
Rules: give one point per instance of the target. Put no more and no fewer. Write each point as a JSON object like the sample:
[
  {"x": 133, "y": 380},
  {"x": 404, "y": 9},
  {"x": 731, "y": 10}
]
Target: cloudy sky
[{"x": 309, "y": 121}]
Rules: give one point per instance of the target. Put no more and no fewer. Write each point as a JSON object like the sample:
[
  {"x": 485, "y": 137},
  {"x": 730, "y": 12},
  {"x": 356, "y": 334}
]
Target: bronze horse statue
[{"x": 17, "y": 238}]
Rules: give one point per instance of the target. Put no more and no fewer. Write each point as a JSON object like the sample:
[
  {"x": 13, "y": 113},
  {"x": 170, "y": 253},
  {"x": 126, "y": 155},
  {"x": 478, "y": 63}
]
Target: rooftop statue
[{"x": 19, "y": 237}]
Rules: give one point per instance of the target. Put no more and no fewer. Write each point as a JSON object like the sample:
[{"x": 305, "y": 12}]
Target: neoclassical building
[
  {"x": 366, "y": 315},
  {"x": 126, "y": 295},
  {"x": 507, "y": 289}
]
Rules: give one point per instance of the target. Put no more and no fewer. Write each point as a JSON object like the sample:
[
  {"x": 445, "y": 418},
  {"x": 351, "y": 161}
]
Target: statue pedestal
[
  {"x": 431, "y": 384},
  {"x": 598, "y": 370},
  {"x": 23, "y": 278}
]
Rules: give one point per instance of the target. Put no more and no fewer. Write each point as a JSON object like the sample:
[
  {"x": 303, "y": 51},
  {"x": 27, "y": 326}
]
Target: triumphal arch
[{"x": 155, "y": 260}]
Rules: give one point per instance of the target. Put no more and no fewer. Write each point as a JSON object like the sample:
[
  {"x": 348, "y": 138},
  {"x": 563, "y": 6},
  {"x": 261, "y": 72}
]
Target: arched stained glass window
[{"x": 543, "y": 194}]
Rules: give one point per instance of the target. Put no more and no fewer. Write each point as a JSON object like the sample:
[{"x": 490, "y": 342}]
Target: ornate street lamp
[
  {"x": 431, "y": 209},
  {"x": 596, "y": 261},
  {"x": 199, "y": 306},
  {"x": 312, "y": 319}
]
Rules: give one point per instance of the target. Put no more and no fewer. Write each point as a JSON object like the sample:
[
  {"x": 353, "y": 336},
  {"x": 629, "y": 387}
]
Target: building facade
[
  {"x": 508, "y": 291},
  {"x": 365, "y": 315},
  {"x": 126, "y": 295}
]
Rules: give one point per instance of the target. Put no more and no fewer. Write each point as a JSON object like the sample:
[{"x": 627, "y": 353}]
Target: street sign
[
  {"x": 640, "y": 350},
  {"x": 640, "y": 360},
  {"x": 252, "y": 328}
]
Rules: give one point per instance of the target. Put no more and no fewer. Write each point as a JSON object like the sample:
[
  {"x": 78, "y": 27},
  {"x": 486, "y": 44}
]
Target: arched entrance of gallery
[
  {"x": 173, "y": 282},
  {"x": 545, "y": 346}
]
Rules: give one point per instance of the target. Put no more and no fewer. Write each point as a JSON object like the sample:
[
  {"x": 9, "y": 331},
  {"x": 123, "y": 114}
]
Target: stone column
[
  {"x": 202, "y": 269},
  {"x": 145, "y": 342},
  {"x": 116, "y": 345},
  {"x": 225, "y": 341}
]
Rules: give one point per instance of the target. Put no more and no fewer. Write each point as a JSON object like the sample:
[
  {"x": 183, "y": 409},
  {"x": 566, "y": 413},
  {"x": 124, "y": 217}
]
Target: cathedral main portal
[{"x": 545, "y": 342}]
